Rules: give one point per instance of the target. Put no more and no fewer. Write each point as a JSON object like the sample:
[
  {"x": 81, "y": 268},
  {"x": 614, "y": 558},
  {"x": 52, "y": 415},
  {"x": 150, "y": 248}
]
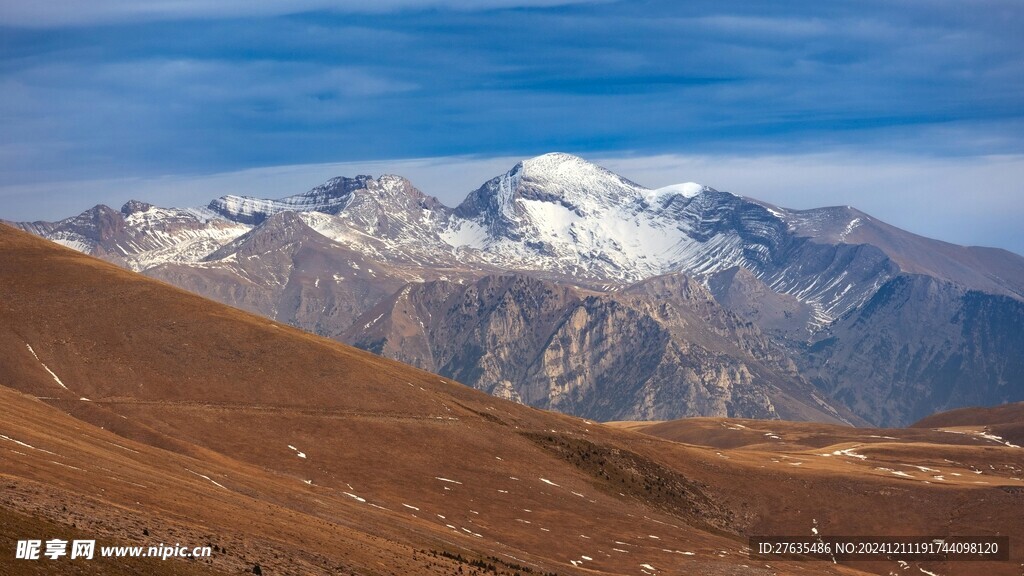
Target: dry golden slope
[{"x": 140, "y": 406}]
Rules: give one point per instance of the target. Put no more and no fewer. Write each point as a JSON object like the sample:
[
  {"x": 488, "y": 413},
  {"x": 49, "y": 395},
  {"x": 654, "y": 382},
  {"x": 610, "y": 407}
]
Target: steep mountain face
[
  {"x": 387, "y": 219},
  {"x": 805, "y": 280},
  {"x": 921, "y": 343},
  {"x": 990, "y": 270},
  {"x": 564, "y": 218},
  {"x": 388, "y": 211},
  {"x": 662, "y": 347},
  {"x": 140, "y": 235},
  {"x": 285, "y": 270},
  {"x": 782, "y": 315},
  {"x": 355, "y": 196},
  {"x": 559, "y": 215}
]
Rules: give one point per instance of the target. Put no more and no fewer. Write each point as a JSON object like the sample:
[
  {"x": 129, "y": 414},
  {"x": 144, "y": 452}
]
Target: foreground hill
[
  {"x": 136, "y": 412},
  {"x": 1003, "y": 423}
]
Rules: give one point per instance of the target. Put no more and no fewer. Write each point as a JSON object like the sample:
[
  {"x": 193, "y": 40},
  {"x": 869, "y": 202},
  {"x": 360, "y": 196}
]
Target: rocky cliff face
[
  {"x": 660, "y": 348},
  {"x": 140, "y": 235},
  {"x": 285, "y": 270},
  {"x": 918, "y": 344},
  {"x": 743, "y": 293}
]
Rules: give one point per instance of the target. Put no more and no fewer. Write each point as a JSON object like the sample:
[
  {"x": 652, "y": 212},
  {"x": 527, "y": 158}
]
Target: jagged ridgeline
[{"x": 565, "y": 286}]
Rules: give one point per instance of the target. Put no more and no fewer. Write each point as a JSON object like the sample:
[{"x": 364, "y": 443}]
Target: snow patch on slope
[
  {"x": 45, "y": 367},
  {"x": 686, "y": 190}
]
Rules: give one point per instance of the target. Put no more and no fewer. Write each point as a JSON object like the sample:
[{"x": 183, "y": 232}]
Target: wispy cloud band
[{"x": 63, "y": 13}]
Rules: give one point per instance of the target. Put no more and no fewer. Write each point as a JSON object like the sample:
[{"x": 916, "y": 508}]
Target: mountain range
[
  {"x": 140, "y": 414},
  {"x": 562, "y": 285}
]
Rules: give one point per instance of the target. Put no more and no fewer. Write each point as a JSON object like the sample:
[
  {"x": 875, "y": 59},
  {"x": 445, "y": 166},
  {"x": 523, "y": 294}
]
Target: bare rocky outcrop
[{"x": 658, "y": 349}]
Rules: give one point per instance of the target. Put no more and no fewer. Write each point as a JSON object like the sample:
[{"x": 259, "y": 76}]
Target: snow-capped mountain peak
[
  {"x": 561, "y": 213},
  {"x": 579, "y": 186},
  {"x": 556, "y": 215},
  {"x": 133, "y": 206},
  {"x": 686, "y": 190},
  {"x": 575, "y": 183},
  {"x": 332, "y": 197}
]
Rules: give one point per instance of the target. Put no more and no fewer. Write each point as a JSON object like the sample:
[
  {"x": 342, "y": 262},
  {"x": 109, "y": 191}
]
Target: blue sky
[{"x": 913, "y": 111}]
